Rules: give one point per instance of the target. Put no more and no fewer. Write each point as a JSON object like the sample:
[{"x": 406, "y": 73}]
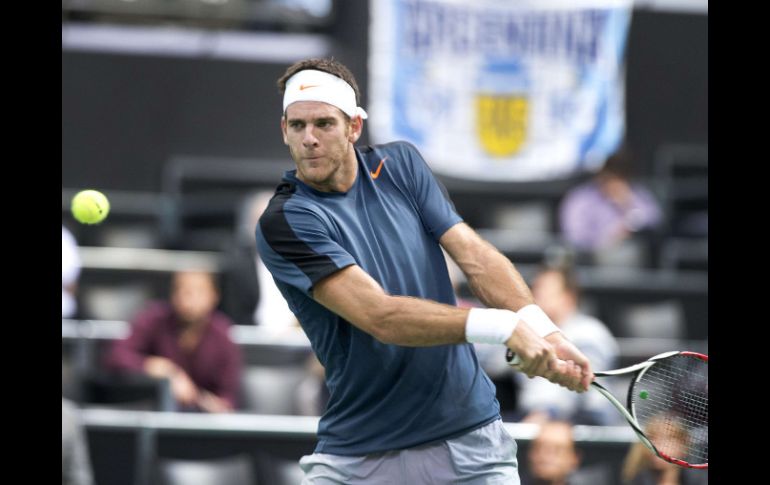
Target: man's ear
[
  {"x": 356, "y": 128},
  {"x": 283, "y": 130}
]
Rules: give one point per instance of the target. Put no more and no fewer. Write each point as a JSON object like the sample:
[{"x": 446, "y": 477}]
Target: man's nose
[{"x": 309, "y": 139}]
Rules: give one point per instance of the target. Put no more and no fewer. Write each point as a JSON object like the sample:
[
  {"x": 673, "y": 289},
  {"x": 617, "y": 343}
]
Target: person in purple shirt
[
  {"x": 186, "y": 341},
  {"x": 608, "y": 209}
]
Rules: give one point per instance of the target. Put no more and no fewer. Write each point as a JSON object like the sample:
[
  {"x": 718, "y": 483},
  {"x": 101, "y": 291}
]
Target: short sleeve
[
  {"x": 296, "y": 246},
  {"x": 436, "y": 208}
]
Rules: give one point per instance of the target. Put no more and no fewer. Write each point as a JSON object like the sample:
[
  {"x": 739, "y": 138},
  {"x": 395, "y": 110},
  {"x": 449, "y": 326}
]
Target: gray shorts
[{"x": 485, "y": 456}]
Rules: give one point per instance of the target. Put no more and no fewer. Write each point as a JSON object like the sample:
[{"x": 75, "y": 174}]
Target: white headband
[{"x": 312, "y": 85}]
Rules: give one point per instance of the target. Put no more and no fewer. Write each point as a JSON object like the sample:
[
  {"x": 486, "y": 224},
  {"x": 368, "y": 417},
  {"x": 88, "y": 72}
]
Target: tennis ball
[
  {"x": 644, "y": 394},
  {"x": 90, "y": 207}
]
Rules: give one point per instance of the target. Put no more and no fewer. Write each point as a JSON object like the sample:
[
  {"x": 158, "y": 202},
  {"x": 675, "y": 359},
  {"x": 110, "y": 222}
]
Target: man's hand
[
  {"x": 535, "y": 353},
  {"x": 182, "y": 387},
  {"x": 212, "y": 403},
  {"x": 540, "y": 358},
  {"x": 159, "y": 367},
  {"x": 566, "y": 350}
]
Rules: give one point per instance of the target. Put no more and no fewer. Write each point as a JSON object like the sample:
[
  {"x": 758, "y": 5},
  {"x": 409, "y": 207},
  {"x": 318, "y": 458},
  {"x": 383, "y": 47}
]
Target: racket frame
[{"x": 628, "y": 411}]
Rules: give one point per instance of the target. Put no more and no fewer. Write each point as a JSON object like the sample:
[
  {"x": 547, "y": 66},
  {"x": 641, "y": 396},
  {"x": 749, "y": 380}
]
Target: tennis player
[{"x": 353, "y": 239}]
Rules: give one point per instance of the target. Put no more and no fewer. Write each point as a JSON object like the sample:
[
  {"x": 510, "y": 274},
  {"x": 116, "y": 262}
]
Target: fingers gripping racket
[{"x": 667, "y": 404}]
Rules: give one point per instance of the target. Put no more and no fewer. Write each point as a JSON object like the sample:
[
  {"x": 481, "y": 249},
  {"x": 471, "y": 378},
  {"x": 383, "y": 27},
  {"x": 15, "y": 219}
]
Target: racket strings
[{"x": 670, "y": 402}]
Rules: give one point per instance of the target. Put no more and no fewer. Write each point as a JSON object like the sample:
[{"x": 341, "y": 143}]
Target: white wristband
[
  {"x": 536, "y": 318},
  {"x": 490, "y": 325}
]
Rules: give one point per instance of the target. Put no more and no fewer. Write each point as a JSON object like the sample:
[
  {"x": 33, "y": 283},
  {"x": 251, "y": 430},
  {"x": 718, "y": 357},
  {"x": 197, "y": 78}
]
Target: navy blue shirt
[{"x": 382, "y": 396}]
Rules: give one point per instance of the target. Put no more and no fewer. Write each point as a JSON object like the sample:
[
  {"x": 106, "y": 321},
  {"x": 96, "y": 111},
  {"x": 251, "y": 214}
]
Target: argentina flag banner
[{"x": 500, "y": 90}]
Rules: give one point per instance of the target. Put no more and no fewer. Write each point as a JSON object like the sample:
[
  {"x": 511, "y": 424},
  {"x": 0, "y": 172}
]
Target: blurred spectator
[
  {"x": 552, "y": 457},
  {"x": 250, "y": 295},
  {"x": 642, "y": 467},
  {"x": 556, "y": 291},
  {"x": 608, "y": 209},
  {"x": 186, "y": 341},
  {"x": 75, "y": 461},
  {"x": 70, "y": 272}
]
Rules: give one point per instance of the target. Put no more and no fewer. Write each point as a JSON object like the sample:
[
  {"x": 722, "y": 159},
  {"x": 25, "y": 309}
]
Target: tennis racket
[{"x": 667, "y": 404}]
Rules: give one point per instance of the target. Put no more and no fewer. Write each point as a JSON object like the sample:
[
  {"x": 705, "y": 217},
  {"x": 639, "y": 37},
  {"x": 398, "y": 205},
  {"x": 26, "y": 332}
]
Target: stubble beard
[{"x": 327, "y": 178}]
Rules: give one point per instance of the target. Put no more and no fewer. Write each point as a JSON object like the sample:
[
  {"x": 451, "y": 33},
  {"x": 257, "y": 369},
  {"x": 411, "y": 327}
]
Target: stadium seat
[
  {"x": 136, "y": 392},
  {"x": 236, "y": 470},
  {"x": 271, "y": 390},
  {"x": 661, "y": 319}
]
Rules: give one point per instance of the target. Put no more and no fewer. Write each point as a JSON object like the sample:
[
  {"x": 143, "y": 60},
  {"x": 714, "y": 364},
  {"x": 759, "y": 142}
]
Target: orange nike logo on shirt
[
  {"x": 376, "y": 173},
  {"x": 303, "y": 87}
]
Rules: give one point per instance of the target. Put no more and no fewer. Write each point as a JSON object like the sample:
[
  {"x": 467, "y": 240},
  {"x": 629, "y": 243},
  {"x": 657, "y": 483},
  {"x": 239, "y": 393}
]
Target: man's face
[
  {"x": 194, "y": 296},
  {"x": 668, "y": 440},
  {"x": 319, "y": 139},
  {"x": 552, "y": 456},
  {"x": 616, "y": 189}
]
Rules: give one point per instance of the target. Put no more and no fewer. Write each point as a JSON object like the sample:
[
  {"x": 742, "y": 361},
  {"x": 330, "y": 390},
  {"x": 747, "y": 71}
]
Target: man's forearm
[
  {"x": 493, "y": 278},
  {"x": 355, "y": 296},
  {"x": 417, "y": 322}
]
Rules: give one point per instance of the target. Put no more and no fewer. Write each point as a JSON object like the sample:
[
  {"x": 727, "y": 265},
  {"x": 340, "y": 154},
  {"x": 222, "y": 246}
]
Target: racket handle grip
[{"x": 513, "y": 359}]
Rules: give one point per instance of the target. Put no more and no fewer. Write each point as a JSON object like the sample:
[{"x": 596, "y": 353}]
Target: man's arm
[
  {"x": 224, "y": 396},
  {"x": 359, "y": 299},
  {"x": 182, "y": 386},
  {"x": 355, "y": 296},
  {"x": 497, "y": 284},
  {"x": 130, "y": 353},
  {"x": 491, "y": 276}
]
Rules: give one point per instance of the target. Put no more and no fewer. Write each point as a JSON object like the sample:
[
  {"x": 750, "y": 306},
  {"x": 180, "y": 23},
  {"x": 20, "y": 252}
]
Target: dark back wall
[
  {"x": 124, "y": 116},
  {"x": 666, "y": 82}
]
